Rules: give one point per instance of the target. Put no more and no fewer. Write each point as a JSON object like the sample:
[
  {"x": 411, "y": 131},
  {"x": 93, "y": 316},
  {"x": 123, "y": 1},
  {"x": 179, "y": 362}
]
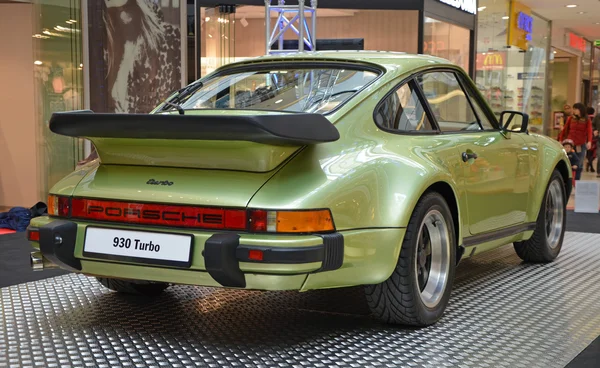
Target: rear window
[{"x": 313, "y": 90}]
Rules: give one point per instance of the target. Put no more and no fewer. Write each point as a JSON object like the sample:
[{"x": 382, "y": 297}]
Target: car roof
[{"x": 389, "y": 60}]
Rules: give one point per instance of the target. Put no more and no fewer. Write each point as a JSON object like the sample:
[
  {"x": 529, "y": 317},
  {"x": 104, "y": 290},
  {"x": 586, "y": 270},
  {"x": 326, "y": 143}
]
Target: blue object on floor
[{"x": 16, "y": 218}]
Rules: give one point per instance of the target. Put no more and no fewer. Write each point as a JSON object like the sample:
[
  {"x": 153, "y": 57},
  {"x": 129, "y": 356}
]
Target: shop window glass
[
  {"x": 448, "y": 41},
  {"x": 448, "y": 102},
  {"x": 403, "y": 111},
  {"x": 512, "y": 78},
  {"x": 58, "y": 75}
]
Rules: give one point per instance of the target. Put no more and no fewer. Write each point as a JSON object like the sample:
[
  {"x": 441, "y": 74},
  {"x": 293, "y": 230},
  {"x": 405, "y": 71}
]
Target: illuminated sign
[
  {"x": 469, "y": 6},
  {"x": 597, "y": 43},
  {"x": 491, "y": 61},
  {"x": 525, "y": 23},
  {"x": 576, "y": 42},
  {"x": 520, "y": 25}
]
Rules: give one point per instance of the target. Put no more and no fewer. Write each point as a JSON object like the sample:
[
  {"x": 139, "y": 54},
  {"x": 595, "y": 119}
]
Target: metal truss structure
[{"x": 291, "y": 17}]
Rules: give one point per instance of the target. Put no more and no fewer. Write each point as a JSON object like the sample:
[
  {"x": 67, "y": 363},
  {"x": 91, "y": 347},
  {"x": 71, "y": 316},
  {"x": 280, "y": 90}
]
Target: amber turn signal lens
[
  {"x": 53, "y": 205},
  {"x": 304, "y": 221}
]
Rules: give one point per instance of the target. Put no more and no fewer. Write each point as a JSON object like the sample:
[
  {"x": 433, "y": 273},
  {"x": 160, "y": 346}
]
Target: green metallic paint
[
  {"x": 190, "y": 186},
  {"x": 222, "y": 155},
  {"x": 370, "y": 179},
  {"x": 253, "y": 281}
]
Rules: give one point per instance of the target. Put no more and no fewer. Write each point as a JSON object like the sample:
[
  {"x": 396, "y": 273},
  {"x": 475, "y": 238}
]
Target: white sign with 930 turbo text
[{"x": 138, "y": 244}]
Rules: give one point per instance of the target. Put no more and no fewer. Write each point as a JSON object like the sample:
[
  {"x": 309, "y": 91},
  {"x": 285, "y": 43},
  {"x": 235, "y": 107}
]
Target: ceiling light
[
  {"x": 505, "y": 17},
  {"x": 580, "y": 12},
  {"x": 481, "y": 8},
  {"x": 37, "y": 62},
  {"x": 571, "y": 6},
  {"x": 556, "y": 52}
]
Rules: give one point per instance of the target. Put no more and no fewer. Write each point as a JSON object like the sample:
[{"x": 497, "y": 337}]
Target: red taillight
[
  {"x": 63, "y": 206},
  {"x": 159, "y": 214},
  {"x": 255, "y": 255},
  {"x": 33, "y": 235},
  {"x": 258, "y": 221},
  {"x": 235, "y": 219},
  {"x": 58, "y": 206}
]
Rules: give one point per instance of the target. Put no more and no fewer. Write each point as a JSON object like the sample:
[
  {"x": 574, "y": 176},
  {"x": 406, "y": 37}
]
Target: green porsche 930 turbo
[{"x": 308, "y": 171}]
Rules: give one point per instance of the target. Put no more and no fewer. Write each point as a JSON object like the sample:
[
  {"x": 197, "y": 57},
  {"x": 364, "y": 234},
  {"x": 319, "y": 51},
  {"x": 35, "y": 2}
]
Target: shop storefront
[
  {"x": 596, "y": 77},
  {"x": 236, "y": 31},
  {"x": 513, "y": 46}
]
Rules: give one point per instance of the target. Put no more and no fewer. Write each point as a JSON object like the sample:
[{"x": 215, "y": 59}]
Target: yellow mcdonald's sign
[{"x": 493, "y": 59}]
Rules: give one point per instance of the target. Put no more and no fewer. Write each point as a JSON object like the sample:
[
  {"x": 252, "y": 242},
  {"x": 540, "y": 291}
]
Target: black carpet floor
[
  {"x": 583, "y": 222},
  {"x": 14, "y": 261}
]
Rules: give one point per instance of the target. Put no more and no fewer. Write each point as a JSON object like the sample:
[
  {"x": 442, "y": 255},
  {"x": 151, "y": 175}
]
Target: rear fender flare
[
  {"x": 551, "y": 162},
  {"x": 445, "y": 186}
]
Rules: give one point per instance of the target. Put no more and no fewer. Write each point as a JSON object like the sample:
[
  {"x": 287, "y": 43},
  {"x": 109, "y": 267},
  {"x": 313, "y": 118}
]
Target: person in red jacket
[{"x": 578, "y": 128}]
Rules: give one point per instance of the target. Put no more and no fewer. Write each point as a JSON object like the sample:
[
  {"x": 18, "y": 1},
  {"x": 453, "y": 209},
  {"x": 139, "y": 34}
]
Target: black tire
[
  {"x": 543, "y": 246},
  {"x": 398, "y": 300},
  {"x": 146, "y": 288}
]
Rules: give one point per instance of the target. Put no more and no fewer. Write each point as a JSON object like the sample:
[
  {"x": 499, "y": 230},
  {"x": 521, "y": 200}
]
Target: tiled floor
[{"x": 584, "y": 176}]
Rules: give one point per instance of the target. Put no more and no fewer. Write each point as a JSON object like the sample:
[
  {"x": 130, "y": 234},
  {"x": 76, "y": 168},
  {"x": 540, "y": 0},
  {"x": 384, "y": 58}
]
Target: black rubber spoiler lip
[{"x": 295, "y": 129}]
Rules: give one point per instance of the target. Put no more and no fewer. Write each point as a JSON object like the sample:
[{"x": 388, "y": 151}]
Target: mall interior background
[{"x": 84, "y": 54}]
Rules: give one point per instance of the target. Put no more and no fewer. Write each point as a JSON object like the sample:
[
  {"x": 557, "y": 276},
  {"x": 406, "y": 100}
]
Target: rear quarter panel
[{"x": 369, "y": 178}]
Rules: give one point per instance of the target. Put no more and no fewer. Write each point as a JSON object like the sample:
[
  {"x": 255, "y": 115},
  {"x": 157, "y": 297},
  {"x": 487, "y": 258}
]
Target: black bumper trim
[
  {"x": 223, "y": 253},
  {"x": 282, "y": 255},
  {"x": 57, "y": 244},
  {"x": 221, "y": 262},
  {"x": 333, "y": 245}
]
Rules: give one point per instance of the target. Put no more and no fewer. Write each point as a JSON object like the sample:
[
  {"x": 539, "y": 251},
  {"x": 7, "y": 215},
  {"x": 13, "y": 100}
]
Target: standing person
[
  {"x": 573, "y": 159},
  {"x": 578, "y": 128},
  {"x": 567, "y": 111},
  {"x": 591, "y": 153},
  {"x": 597, "y": 142},
  {"x": 596, "y": 121},
  {"x": 596, "y": 127}
]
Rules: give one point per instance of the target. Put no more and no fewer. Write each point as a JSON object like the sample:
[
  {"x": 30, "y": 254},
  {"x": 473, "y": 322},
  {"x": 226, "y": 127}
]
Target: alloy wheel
[
  {"x": 432, "y": 258},
  {"x": 555, "y": 212}
]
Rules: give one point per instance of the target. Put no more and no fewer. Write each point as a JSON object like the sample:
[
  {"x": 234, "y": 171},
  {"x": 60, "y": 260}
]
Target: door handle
[{"x": 468, "y": 156}]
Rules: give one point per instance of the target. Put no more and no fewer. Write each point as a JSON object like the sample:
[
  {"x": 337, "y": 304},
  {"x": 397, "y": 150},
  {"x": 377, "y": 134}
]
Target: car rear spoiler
[{"x": 285, "y": 129}]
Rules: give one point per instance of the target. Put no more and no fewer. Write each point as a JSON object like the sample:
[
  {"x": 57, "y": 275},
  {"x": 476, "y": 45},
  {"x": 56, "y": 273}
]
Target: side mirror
[{"x": 514, "y": 121}]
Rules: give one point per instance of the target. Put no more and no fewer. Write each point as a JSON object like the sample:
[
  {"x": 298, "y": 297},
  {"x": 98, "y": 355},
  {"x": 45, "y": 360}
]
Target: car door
[{"x": 495, "y": 166}]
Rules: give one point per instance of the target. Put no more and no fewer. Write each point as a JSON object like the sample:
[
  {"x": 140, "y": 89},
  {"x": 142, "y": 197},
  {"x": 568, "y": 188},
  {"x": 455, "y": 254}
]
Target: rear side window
[
  {"x": 403, "y": 111},
  {"x": 448, "y": 102}
]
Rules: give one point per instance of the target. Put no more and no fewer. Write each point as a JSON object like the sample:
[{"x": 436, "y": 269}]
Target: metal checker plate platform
[{"x": 502, "y": 314}]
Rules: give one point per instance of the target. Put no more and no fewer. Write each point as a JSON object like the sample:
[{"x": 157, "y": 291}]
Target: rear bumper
[{"x": 288, "y": 262}]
